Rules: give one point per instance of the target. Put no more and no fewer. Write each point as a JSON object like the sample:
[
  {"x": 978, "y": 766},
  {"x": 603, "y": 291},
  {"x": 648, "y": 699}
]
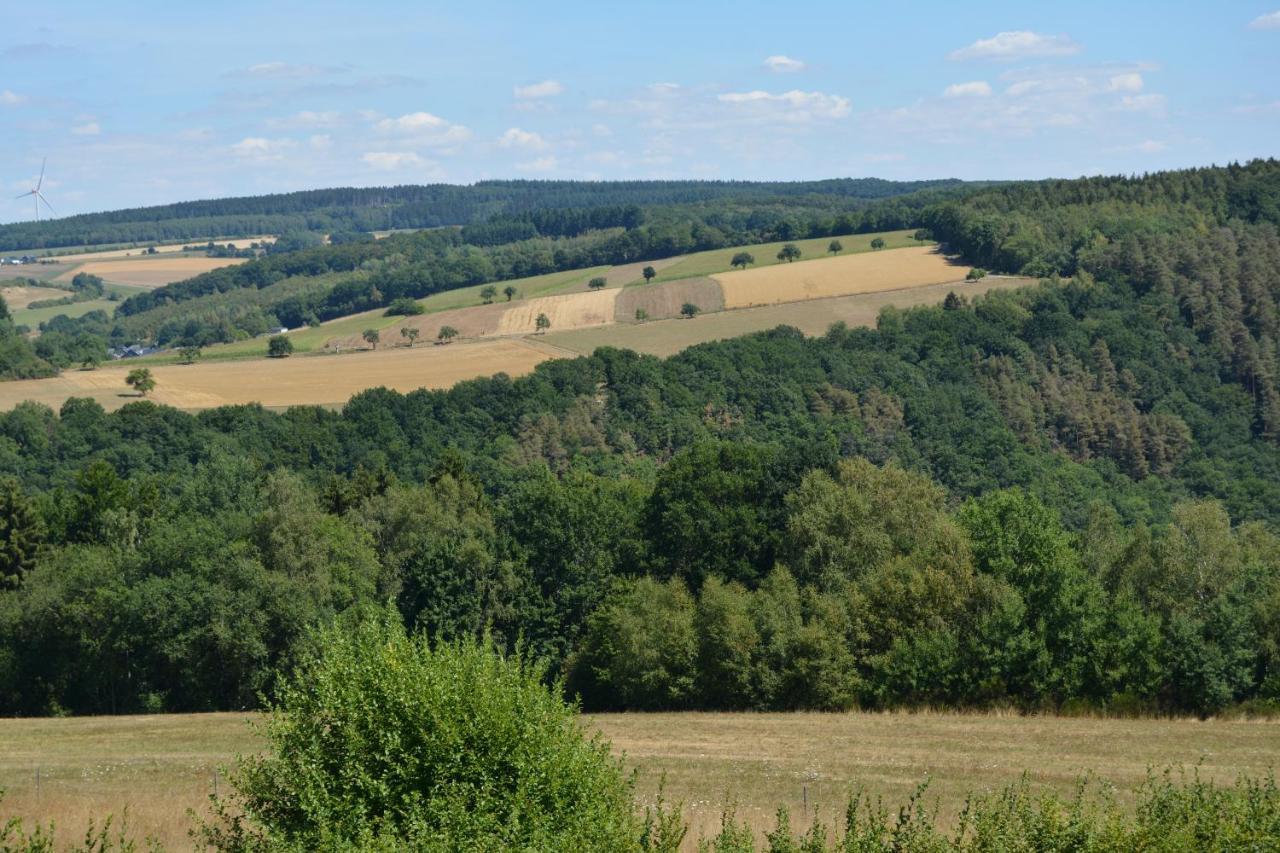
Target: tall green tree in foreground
[{"x": 385, "y": 741}]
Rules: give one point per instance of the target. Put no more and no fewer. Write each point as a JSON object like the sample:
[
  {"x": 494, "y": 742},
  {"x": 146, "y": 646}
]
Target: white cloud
[
  {"x": 601, "y": 130},
  {"x": 1018, "y": 44},
  {"x": 423, "y": 128},
  {"x": 391, "y": 160},
  {"x": 542, "y": 164},
  {"x": 545, "y": 89},
  {"x": 975, "y": 89},
  {"x": 1269, "y": 21},
  {"x": 1126, "y": 83},
  {"x": 783, "y": 64},
  {"x": 321, "y": 141},
  {"x": 309, "y": 118},
  {"x": 793, "y": 106},
  {"x": 1143, "y": 103},
  {"x": 89, "y": 128},
  {"x": 283, "y": 69},
  {"x": 517, "y": 138},
  {"x": 1151, "y": 146},
  {"x": 261, "y": 148},
  {"x": 892, "y": 157},
  {"x": 10, "y": 98}
]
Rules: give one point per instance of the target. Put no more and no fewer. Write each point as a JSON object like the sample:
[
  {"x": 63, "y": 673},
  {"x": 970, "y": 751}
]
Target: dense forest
[
  {"x": 409, "y": 207},
  {"x": 1060, "y": 497}
]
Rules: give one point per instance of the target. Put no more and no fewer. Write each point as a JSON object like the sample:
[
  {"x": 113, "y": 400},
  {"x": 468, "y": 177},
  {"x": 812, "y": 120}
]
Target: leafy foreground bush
[
  {"x": 385, "y": 741},
  {"x": 1182, "y": 815}
]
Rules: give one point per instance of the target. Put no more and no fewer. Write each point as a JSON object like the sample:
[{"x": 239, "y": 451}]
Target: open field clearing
[
  {"x": 813, "y": 317},
  {"x": 160, "y": 766},
  {"x": 766, "y": 254},
  {"x": 867, "y": 272},
  {"x": 662, "y": 301},
  {"x": 40, "y": 272},
  {"x": 569, "y": 311},
  {"x": 288, "y": 381},
  {"x": 150, "y": 271},
  {"x": 33, "y": 317},
  {"x": 74, "y": 254},
  {"x": 18, "y": 298}
]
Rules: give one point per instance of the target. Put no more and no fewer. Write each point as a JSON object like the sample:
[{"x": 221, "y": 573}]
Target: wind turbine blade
[
  {"x": 24, "y": 195},
  {"x": 40, "y": 182},
  {"x": 46, "y": 203}
]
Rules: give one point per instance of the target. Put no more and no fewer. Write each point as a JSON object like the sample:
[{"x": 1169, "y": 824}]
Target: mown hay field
[
  {"x": 766, "y": 254},
  {"x": 866, "y": 272},
  {"x": 813, "y": 317},
  {"x": 161, "y": 766},
  {"x": 149, "y": 271},
  {"x": 19, "y": 297},
  {"x": 288, "y": 381}
]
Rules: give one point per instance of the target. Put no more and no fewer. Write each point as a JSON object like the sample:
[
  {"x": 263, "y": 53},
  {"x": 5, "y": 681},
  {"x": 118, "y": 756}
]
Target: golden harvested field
[
  {"x": 319, "y": 379},
  {"x": 569, "y": 311},
  {"x": 136, "y": 251},
  {"x": 813, "y": 317},
  {"x": 160, "y": 766},
  {"x": 661, "y": 301},
  {"x": 18, "y": 298},
  {"x": 865, "y": 272},
  {"x": 152, "y": 271}
]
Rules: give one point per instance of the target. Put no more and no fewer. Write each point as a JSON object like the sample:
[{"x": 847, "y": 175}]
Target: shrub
[
  {"x": 279, "y": 347},
  {"x": 975, "y": 274},
  {"x": 382, "y": 740},
  {"x": 404, "y": 307}
]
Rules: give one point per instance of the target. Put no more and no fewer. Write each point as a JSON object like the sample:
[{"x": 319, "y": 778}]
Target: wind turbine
[{"x": 36, "y": 195}]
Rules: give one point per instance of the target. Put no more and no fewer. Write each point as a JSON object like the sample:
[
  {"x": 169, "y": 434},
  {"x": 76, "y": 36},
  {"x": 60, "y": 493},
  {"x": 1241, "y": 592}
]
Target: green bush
[
  {"x": 404, "y": 307},
  {"x": 382, "y": 740}
]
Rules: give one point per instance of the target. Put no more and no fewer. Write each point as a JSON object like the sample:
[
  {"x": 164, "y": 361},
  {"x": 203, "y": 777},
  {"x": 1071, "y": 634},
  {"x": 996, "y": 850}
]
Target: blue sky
[{"x": 141, "y": 103}]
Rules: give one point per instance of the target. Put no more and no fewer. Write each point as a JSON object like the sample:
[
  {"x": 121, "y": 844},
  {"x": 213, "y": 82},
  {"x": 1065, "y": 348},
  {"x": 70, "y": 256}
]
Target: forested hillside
[
  {"x": 385, "y": 208},
  {"x": 1066, "y": 496}
]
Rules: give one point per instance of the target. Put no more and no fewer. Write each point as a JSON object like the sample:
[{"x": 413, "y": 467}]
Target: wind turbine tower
[{"x": 36, "y": 196}]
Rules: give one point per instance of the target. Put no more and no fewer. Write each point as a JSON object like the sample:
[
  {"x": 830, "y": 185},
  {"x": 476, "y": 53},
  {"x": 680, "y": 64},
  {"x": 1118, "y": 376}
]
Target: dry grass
[
  {"x": 813, "y": 317},
  {"x": 160, "y": 766},
  {"x": 149, "y": 271},
  {"x": 662, "y": 301},
  {"x": 18, "y": 298},
  {"x": 865, "y": 272},
  {"x": 137, "y": 251},
  {"x": 318, "y": 379},
  {"x": 569, "y": 311}
]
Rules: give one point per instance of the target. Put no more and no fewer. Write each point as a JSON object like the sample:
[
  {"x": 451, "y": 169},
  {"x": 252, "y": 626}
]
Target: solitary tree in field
[
  {"x": 89, "y": 362},
  {"x": 542, "y": 323},
  {"x": 789, "y": 253},
  {"x": 835, "y": 247},
  {"x": 975, "y": 274},
  {"x": 279, "y": 347},
  {"x": 648, "y": 273},
  {"x": 877, "y": 244},
  {"x": 410, "y": 334},
  {"x": 509, "y": 291},
  {"x": 446, "y": 334},
  {"x": 921, "y": 235},
  {"x": 641, "y": 315},
  {"x": 488, "y": 292},
  {"x": 742, "y": 259},
  {"x": 189, "y": 355},
  {"x": 140, "y": 380},
  {"x": 597, "y": 282},
  {"x": 371, "y": 337},
  {"x": 689, "y": 310}
]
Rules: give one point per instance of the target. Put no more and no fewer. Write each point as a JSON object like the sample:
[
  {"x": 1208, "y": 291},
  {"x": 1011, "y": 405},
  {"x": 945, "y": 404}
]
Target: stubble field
[{"x": 161, "y": 766}]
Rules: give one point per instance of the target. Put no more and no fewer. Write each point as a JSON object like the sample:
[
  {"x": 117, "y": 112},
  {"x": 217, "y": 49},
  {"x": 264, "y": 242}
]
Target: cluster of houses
[{"x": 18, "y": 261}]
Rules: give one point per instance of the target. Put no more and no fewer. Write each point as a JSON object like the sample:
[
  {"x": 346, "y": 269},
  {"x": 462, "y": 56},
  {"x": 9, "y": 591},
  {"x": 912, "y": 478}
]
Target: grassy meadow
[
  {"x": 158, "y": 767},
  {"x": 766, "y": 254}
]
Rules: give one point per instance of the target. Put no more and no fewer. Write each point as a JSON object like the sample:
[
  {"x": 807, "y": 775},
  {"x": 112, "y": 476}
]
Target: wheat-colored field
[
  {"x": 18, "y": 298},
  {"x": 567, "y": 311},
  {"x": 149, "y": 271},
  {"x": 136, "y": 251},
  {"x": 865, "y": 272},
  {"x": 813, "y": 317},
  {"x": 158, "y": 767},
  {"x": 318, "y": 379}
]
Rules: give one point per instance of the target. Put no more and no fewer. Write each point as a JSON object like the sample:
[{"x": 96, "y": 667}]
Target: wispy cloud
[
  {"x": 389, "y": 161},
  {"x": 1016, "y": 44},
  {"x": 974, "y": 89},
  {"x": 261, "y": 149},
  {"x": 89, "y": 128},
  {"x": 10, "y": 98},
  {"x": 1269, "y": 21},
  {"x": 284, "y": 70},
  {"x": 517, "y": 138},
  {"x": 425, "y": 129},
  {"x": 545, "y": 89},
  {"x": 794, "y": 106},
  {"x": 783, "y": 64}
]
